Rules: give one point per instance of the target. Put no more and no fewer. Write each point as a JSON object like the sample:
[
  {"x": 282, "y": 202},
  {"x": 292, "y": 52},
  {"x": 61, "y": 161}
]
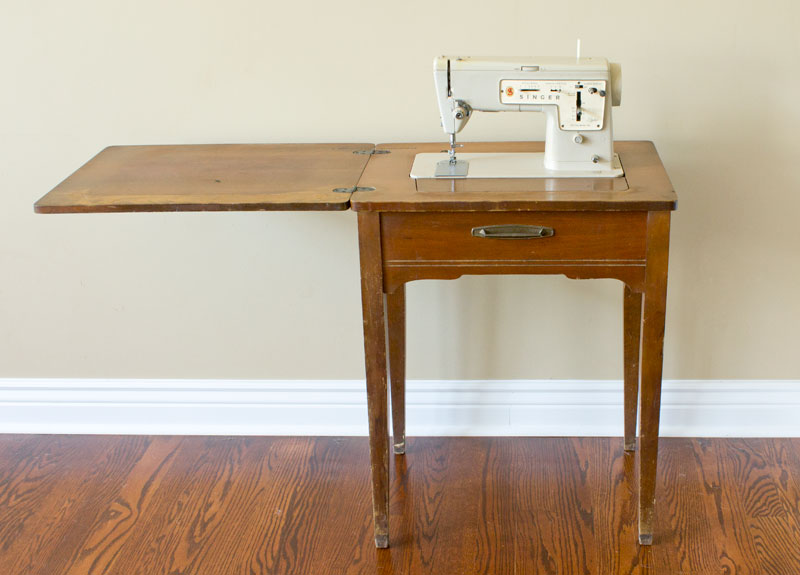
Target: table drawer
[{"x": 576, "y": 236}]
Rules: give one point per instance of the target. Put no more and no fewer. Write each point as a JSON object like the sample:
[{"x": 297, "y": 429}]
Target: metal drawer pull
[{"x": 512, "y": 232}]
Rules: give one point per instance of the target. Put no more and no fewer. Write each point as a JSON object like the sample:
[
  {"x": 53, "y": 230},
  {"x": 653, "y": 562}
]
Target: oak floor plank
[
  {"x": 188, "y": 509},
  {"x": 736, "y": 552},
  {"x": 324, "y": 488},
  {"x": 65, "y": 483},
  {"x": 765, "y": 517},
  {"x": 612, "y": 473},
  {"x": 558, "y": 482},
  {"x": 28, "y": 477},
  {"x": 682, "y": 521},
  {"x": 498, "y": 523},
  {"x": 773, "y": 523},
  {"x": 111, "y": 531},
  {"x": 262, "y": 494},
  {"x": 787, "y": 464},
  {"x": 91, "y": 497},
  {"x": 348, "y": 498},
  {"x": 444, "y": 501},
  {"x": 286, "y": 506}
]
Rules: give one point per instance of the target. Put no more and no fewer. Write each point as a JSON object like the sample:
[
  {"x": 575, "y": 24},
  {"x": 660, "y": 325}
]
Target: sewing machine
[{"x": 575, "y": 94}]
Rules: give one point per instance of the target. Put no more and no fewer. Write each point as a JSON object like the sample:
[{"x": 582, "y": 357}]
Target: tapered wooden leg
[
  {"x": 396, "y": 316},
  {"x": 632, "y": 327},
  {"x": 372, "y": 302},
  {"x": 654, "y": 310}
]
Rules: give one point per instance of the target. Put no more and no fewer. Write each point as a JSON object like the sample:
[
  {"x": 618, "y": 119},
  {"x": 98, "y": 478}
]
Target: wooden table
[
  {"x": 212, "y": 178},
  {"x": 429, "y": 229}
]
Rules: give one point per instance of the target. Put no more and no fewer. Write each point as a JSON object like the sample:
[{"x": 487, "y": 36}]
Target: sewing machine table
[
  {"x": 437, "y": 229},
  {"x": 429, "y": 229}
]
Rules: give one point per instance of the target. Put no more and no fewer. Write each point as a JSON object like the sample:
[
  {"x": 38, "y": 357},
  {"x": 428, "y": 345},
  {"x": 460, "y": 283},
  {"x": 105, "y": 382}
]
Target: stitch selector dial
[{"x": 581, "y": 105}]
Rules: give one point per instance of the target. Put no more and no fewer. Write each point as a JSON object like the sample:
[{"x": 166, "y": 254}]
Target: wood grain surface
[
  {"x": 224, "y": 177},
  {"x": 644, "y": 187},
  {"x": 396, "y": 334},
  {"x": 650, "y": 365},
  {"x": 499, "y": 506},
  {"x": 376, "y": 360},
  {"x": 585, "y": 244},
  {"x": 632, "y": 340},
  {"x": 244, "y": 177},
  {"x": 416, "y": 238}
]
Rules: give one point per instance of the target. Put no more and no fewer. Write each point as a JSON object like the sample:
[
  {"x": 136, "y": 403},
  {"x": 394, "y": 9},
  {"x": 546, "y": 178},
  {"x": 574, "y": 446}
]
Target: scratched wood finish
[
  {"x": 396, "y": 332},
  {"x": 441, "y": 237},
  {"x": 651, "y": 364},
  {"x": 647, "y": 185},
  {"x": 440, "y": 245},
  {"x": 226, "y": 177},
  {"x": 246, "y": 505},
  {"x": 632, "y": 324},
  {"x": 374, "y": 319}
]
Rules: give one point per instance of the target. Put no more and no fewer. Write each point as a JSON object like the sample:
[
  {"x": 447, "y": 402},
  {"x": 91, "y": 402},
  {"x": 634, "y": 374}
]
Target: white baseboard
[{"x": 220, "y": 407}]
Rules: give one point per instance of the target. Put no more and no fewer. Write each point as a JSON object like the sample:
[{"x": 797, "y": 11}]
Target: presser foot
[{"x": 451, "y": 169}]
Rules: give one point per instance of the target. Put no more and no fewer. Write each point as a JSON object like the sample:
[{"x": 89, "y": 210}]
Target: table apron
[{"x": 583, "y": 245}]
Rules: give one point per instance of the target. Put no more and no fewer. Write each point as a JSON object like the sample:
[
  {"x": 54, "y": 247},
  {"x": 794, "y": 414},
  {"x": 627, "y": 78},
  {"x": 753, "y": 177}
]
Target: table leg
[
  {"x": 655, "y": 300},
  {"x": 632, "y": 340},
  {"x": 396, "y": 317},
  {"x": 374, "y": 317}
]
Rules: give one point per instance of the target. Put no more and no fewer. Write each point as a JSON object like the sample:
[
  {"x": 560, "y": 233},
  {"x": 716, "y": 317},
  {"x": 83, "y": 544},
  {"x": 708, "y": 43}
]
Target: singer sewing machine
[{"x": 575, "y": 94}]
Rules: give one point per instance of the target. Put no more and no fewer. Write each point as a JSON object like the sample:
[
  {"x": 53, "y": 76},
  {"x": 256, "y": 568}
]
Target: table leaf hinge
[
  {"x": 372, "y": 152},
  {"x": 354, "y": 189}
]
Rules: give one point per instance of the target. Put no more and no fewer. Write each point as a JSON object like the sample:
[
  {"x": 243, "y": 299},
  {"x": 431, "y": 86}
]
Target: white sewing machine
[{"x": 575, "y": 94}]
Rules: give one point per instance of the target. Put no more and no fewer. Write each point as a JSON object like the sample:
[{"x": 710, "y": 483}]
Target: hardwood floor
[{"x": 247, "y": 505}]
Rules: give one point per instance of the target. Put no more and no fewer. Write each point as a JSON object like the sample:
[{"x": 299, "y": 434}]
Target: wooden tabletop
[
  {"x": 227, "y": 177},
  {"x": 245, "y": 177},
  {"x": 645, "y": 185}
]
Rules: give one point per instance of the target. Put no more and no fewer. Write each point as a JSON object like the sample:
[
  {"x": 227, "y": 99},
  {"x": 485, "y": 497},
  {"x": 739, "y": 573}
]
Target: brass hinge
[{"x": 354, "y": 189}]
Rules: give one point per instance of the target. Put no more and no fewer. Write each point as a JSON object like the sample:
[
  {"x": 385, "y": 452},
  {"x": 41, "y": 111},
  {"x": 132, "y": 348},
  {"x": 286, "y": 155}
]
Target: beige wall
[{"x": 713, "y": 83}]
